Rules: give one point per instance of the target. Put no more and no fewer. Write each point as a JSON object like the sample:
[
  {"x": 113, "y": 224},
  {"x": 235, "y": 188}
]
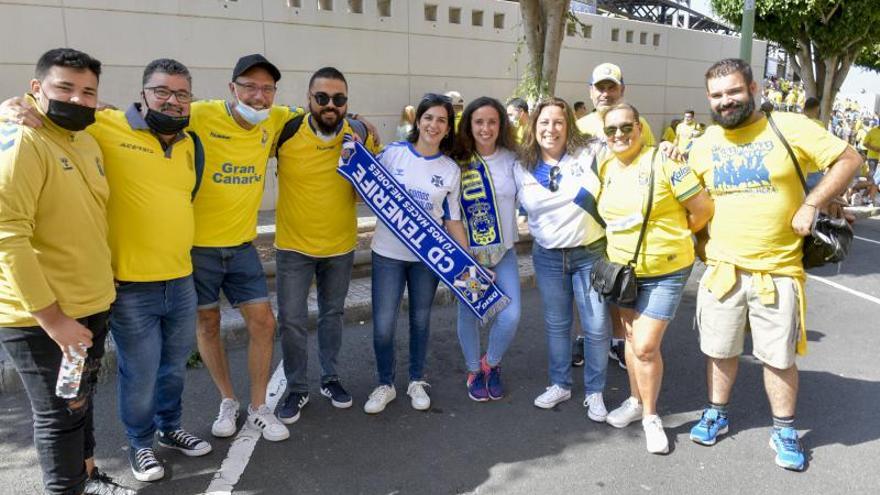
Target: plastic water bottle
[{"x": 70, "y": 373}]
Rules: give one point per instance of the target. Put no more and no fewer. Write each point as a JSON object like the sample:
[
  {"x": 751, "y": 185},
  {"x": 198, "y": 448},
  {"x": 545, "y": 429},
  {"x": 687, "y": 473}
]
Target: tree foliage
[{"x": 825, "y": 37}]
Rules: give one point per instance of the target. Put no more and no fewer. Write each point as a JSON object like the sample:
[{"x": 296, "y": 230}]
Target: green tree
[
  {"x": 823, "y": 38},
  {"x": 544, "y": 29}
]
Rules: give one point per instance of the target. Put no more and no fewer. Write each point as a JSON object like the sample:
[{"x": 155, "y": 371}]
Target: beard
[
  {"x": 741, "y": 113},
  {"x": 327, "y": 119}
]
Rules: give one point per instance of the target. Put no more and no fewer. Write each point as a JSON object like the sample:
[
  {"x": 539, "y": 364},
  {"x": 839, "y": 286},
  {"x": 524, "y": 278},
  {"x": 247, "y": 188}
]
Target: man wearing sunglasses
[{"x": 316, "y": 236}]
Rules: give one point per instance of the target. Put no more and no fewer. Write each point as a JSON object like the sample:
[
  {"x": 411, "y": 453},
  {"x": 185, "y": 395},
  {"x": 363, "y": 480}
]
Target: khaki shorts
[{"x": 774, "y": 328}]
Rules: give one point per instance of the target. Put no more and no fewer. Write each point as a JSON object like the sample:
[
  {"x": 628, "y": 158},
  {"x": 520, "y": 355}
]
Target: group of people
[{"x": 143, "y": 217}]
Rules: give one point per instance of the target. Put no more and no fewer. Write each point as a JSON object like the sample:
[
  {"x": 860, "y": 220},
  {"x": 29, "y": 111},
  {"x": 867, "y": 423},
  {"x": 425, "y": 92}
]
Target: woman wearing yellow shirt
[{"x": 679, "y": 206}]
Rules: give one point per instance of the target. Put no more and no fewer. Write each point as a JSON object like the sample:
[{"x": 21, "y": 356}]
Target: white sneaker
[
  {"x": 552, "y": 396},
  {"x": 655, "y": 437},
  {"x": 418, "y": 395},
  {"x": 225, "y": 426},
  {"x": 629, "y": 411},
  {"x": 595, "y": 405},
  {"x": 265, "y": 420},
  {"x": 379, "y": 398}
]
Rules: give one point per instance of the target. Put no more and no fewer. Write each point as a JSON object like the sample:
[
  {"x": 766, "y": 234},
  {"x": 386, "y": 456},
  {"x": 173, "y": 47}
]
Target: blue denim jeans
[
  {"x": 659, "y": 297},
  {"x": 563, "y": 279},
  {"x": 294, "y": 278},
  {"x": 154, "y": 327},
  {"x": 390, "y": 277},
  {"x": 505, "y": 325}
]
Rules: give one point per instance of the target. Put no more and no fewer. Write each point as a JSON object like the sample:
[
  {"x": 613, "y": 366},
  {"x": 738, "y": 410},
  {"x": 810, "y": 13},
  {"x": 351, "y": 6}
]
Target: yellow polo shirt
[
  {"x": 150, "y": 209},
  {"x": 53, "y": 224}
]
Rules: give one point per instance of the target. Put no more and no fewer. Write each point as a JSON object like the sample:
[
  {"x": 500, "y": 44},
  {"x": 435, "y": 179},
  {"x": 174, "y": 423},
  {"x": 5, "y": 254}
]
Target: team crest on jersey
[
  {"x": 437, "y": 181},
  {"x": 577, "y": 169},
  {"x": 99, "y": 166},
  {"x": 265, "y": 138},
  {"x": 65, "y": 163}
]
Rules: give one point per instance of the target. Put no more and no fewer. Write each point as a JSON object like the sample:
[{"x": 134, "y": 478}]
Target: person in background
[
  {"x": 405, "y": 125},
  {"x": 457, "y": 105},
  {"x": 518, "y": 116}
]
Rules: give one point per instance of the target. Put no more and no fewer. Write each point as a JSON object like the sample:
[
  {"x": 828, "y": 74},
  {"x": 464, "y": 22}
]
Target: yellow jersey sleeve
[
  {"x": 22, "y": 172},
  {"x": 683, "y": 181},
  {"x": 815, "y": 148}
]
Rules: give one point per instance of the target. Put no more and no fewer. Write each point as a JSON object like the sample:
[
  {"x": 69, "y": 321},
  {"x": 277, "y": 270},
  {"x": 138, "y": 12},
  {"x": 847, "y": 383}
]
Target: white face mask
[{"x": 250, "y": 114}]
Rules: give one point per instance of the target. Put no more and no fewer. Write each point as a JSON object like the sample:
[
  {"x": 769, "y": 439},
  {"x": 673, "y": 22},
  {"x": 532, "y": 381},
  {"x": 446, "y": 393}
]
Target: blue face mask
[{"x": 250, "y": 114}]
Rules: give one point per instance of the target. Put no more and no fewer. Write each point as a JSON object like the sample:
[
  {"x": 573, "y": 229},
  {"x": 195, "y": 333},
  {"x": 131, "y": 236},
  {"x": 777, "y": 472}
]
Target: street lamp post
[{"x": 748, "y": 29}]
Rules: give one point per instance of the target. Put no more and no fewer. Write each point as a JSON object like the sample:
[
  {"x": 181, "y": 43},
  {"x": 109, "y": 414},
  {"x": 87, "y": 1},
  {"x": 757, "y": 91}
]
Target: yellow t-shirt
[
  {"x": 315, "y": 213},
  {"x": 667, "y": 246},
  {"x": 591, "y": 124},
  {"x": 53, "y": 224},
  {"x": 668, "y": 134},
  {"x": 872, "y": 138},
  {"x": 757, "y": 191},
  {"x": 519, "y": 132},
  {"x": 684, "y": 133},
  {"x": 150, "y": 209},
  {"x": 229, "y": 197}
]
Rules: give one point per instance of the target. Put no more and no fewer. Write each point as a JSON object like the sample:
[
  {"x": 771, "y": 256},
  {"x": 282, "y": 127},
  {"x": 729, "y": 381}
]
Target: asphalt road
[{"x": 511, "y": 447}]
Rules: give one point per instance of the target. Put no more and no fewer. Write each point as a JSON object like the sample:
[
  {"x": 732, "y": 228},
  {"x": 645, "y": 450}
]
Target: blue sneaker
[
  {"x": 789, "y": 451},
  {"x": 711, "y": 425},
  {"x": 476, "y": 386},
  {"x": 493, "y": 383},
  {"x": 289, "y": 411}
]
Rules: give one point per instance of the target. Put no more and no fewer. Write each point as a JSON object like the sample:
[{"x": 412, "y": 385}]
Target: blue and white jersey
[{"x": 431, "y": 181}]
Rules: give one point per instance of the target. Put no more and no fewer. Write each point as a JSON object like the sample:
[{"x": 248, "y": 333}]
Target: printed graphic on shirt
[{"x": 741, "y": 169}]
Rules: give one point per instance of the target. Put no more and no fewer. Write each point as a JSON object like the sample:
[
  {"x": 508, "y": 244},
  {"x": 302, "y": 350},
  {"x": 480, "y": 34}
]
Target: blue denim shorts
[
  {"x": 659, "y": 296},
  {"x": 237, "y": 271}
]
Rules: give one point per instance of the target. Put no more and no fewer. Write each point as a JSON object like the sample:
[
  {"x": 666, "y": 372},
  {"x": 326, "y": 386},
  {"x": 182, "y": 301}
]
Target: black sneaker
[
  {"x": 183, "y": 441},
  {"x": 288, "y": 413},
  {"x": 617, "y": 352},
  {"x": 577, "y": 352},
  {"x": 338, "y": 396},
  {"x": 144, "y": 465},
  {"x": 99, "y": 483}
]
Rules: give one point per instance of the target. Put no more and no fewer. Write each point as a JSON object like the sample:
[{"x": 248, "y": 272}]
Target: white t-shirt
[
  {"x": 501, "y": 165},
  {"x": 433, "y": 182},
  {"x": 561, "y": 219}
]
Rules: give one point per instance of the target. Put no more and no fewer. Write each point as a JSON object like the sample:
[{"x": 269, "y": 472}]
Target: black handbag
[
  {"x": 830, "y": 238},
  {"x": 616, "y": 281}
]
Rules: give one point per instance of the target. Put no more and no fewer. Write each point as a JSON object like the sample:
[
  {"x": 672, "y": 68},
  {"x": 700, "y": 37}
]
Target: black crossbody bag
[
  {"x": 830, "y": 238},
  {"x": 616, "y": 281}
]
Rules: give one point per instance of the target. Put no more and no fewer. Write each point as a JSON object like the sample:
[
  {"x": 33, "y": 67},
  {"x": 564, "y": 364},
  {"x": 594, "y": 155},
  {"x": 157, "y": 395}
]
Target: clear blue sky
[{"x": 856, "y": 80}]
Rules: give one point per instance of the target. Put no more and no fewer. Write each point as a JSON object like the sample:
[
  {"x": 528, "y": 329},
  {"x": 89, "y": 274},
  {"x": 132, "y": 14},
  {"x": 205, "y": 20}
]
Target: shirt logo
[
  {"x": 219, "y": 136},
  {"x": 265, "y": 137},
  {"x": 136, "y": 147},
  {"x": 65, "y": 164},
  {"x": 437, "y": 181},
  {"x": 100, "y": 167},
  {"x": 5, "y": 132},
  {"x": 397, "y": 172},
  {"x": 742, "y": 168}
]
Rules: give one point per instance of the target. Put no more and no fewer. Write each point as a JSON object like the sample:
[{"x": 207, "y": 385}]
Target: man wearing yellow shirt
[
  {"x": 518, "y": 115},
  {"x": 56, "y": 282},
  {"x": 871, "y": 142},
  {"x": 755, "y": 275},
  {"x": 151, "y": 166},
  {"x": 606, "y": 90},
  {"x": 316, "y": 237},
  {"x": 685, "y": 132},
  {"x": 238, "y": 136}
]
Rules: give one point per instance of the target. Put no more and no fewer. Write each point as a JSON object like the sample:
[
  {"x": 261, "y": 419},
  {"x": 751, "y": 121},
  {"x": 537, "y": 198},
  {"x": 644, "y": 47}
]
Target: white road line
[
  {"x": 242, "y": 447},
  {"x": 866, "y": 239},
  {"x": 845, "y": 289}
]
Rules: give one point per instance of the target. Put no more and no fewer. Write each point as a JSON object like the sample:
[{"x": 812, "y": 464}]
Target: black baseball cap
[{"x": 248, "y": 62}]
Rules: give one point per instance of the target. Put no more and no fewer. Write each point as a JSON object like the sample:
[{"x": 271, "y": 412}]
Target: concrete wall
[{"x": 389, "y": 52}]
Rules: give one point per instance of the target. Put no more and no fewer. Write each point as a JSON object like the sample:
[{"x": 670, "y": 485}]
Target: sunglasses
[
  {"x": 555, "y": 173},
  {"x": 339, "y": 100},
  {"x": 625, "y": 129}
]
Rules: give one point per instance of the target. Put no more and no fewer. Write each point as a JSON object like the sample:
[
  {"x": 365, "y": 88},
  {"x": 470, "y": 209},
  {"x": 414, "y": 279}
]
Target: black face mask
[
  {"x": 70, "y": 116},
  {"x": 165, "y": 124}
]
